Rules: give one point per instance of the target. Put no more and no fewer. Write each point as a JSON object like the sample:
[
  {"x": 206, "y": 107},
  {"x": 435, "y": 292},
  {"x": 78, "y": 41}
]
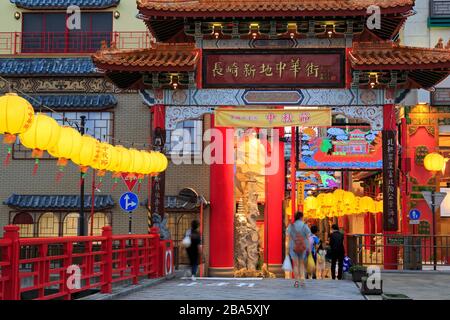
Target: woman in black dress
[{"x": 193, "y": 250}]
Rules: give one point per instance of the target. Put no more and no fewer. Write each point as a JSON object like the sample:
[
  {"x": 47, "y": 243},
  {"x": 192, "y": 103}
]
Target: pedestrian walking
[
  {"x": 299, "y": 233},
  {"x": 314, "y": 243},
  {"x": 193, "y": 249},
  {"x": 337, "y": 251}
]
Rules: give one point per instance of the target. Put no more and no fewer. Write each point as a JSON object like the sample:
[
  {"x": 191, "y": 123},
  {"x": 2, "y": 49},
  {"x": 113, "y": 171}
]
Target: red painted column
[
  {"x": 159, "y": 182},
  {"x": 222, "y": 205},
  {"x": 275, "y": 176},
  {"x": 293, "y": 171},
  {"x": 390, "y": 252},
  {"x": 404, "y": 178}
]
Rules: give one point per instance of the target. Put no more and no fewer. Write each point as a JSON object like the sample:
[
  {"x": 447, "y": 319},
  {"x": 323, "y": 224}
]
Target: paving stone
[{"x": 269, "y": 289}]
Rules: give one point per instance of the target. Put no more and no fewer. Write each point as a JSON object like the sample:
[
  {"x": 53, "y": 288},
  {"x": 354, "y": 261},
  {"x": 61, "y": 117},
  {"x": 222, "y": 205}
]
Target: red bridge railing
[
  {"x": 61, "y": 268},
  {"x": 12, "y": 43}
]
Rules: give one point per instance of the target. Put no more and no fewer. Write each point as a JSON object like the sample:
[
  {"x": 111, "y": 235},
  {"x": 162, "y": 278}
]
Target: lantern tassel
[
  {"x": 100, "y": 184},
  {"x": 8, "y": 157},
  {"x": 60, "y": 174},
  {"x": 36, "y": 166},
  {"x": 139, "y": 187},
  {"x": 83, "y": 175},
  {"x": 114, "y": 185}
]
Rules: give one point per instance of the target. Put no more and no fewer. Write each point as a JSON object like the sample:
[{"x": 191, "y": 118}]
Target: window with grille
[
  {"x": 70, "y": 226},
  {"x": 98, "y": 124},
  {"x": 48, "y": 32},
  {"x": 186, "y": 138},
  {"x": 48, "y": 225},
  {"x": 26, "y": 224}
]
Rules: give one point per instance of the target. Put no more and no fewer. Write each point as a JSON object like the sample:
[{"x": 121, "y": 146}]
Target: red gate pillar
[
  {"x": 275, "y": 175},
  {"x": 222, "y": 204},
  {"x": 404, "y": 177},
  {"x": 390, "y": 223}
]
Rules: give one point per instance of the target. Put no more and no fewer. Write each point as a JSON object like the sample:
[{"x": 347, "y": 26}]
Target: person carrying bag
[{"x": 298, "y": 233}]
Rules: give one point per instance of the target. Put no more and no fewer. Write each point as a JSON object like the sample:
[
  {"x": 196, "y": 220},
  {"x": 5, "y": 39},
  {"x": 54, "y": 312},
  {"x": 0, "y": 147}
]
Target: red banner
[{"x": 288, "y": 68}]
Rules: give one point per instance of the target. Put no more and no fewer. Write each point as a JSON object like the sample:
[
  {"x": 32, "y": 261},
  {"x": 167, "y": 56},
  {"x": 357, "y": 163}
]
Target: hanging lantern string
[
  {"x": 72, "y": 123},
  {"x": 129, "y": 143}
]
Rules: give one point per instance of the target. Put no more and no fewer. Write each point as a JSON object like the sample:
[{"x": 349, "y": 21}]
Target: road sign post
[
  {"x": 434, "y": 199},
  {"x": 130, "y": 221},
  {"x": 129, "y": 202}
]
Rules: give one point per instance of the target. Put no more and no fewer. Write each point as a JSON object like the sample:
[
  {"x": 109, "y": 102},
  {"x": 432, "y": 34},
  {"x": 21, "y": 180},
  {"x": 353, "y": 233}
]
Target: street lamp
[{"x": 434, "y": 162}]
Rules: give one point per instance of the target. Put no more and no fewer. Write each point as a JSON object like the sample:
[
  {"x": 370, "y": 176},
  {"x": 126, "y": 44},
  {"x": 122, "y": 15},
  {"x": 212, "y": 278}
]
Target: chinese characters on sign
[
  {"x": 158, "y": 182},
  {"x": 272, "y": 118},
  {"x": 158, "y": 195},
  {"x": 300, "y": 193},
  {"x": 305, "y": 68},
  {"x": 390, "y": 181}
]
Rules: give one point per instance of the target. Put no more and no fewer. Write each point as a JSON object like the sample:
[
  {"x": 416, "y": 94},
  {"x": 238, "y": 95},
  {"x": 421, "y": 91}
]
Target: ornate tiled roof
[
  {"x": 287, "y": 7},
  {"x": 390, "y": 55},
  {"x": 62, "y": 4},
  {"x": 57, "y": 202},
  {"x": 46, "y": 66},
  {"x": 75, "y": 102},
  {"x": 162, "y": 57}
]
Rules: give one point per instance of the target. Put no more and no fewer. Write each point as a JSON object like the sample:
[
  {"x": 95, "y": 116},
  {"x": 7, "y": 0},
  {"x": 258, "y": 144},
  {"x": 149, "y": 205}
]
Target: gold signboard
[{"x": 272, "y": 118}]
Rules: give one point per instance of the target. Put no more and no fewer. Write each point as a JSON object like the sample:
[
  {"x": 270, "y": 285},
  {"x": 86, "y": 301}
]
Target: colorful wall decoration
[{"x": 341, "y": 148}]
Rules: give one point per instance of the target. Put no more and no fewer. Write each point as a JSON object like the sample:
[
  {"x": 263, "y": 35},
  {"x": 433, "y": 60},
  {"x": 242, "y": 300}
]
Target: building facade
[
  {"x": 212, "y": 55},
  {"x": 43, "y": 58},
  {"x": 173, "y": 67}
]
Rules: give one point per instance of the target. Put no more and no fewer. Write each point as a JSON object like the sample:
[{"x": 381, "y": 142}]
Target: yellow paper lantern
[
  {"x": 89, "y": 153},
  {"x": 379, "y": 206},
  {"x": 116, "y": 158},
  {"x": 16, "y": 116},
  {"x": 42, "y": 135},
  {"x": 103, "y": 160},
  {"x": 434, "y": 162},
  {"x": 158, "y": 164},
  {"x": 164, "y": 162},
  {"x": 148, "y": 167},
  {"x": 126, "y": 164},
  {"x": 67, "y": 147},
  {"x": 310, "y": 204},
  {"x": 367, "y": 204},
  {"x": 348, "y": 199},
  {"x": 338, "y": 195},
  {"x": 138, "y": 161},
  {"x": 320, "y": 199},
  {"x": 328, "y": 200}
]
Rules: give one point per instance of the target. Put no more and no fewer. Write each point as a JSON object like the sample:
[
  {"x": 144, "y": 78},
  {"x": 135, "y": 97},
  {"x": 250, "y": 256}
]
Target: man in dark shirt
[{"x": 337, "y": 251}]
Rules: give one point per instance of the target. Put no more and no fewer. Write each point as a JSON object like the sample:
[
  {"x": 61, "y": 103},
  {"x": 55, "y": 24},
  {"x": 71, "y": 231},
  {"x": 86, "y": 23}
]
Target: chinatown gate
[{"x": 319, "y": 56}]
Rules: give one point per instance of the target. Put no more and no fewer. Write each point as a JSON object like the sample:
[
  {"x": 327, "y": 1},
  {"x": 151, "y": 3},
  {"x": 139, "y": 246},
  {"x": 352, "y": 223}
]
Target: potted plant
[{"x": 358, "y": 272}]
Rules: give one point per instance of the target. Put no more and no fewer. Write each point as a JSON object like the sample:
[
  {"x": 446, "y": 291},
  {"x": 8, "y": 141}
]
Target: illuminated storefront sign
[
  {"x": 293, "y": 68},
  {"x": 272, "y": 118}
]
